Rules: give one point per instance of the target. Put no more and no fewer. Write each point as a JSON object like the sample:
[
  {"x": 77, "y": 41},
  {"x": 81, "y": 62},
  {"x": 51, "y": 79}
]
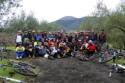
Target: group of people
[{"x": 57, "y": 44}]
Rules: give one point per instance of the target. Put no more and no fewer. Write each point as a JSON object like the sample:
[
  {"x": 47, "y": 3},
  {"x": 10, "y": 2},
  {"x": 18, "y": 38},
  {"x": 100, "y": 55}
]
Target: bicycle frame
[{"x": 13, "y": 80}]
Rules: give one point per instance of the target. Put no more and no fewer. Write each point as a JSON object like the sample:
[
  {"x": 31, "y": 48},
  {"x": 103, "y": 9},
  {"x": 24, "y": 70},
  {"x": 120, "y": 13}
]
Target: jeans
[{"x": 20, "y": 54}]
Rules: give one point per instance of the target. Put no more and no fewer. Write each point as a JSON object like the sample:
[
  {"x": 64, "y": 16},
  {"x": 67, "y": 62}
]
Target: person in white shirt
[{"x": 19, "y": 38}]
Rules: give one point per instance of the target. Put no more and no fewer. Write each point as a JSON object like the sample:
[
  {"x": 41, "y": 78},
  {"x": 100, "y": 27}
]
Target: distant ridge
[
  {"x": 68, "y": 18},
  {"x": 69, "y": 22}
]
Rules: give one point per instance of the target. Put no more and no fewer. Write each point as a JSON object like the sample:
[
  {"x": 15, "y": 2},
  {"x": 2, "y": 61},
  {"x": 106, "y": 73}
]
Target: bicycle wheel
[
  {"x": 105, "y": 61},
  {"x": 25, "y": 72},
  {"x": 26, "y": 65},
  {"x": 106, "y": 57}
]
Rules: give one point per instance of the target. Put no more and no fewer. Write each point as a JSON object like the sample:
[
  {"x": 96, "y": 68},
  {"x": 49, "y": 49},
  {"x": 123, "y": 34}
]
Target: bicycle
[
  {"x": 4, "y": 79},
  {"x": 23, "y": 68},
  {"x": 19, "y": 67},
  {"x": 105, "y": 56},
  {"x": 98, "y": 57}
]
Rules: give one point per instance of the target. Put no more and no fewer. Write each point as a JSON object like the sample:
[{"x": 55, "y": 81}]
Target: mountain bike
[
  {"x": 19, "y": 67},
  {"x": 98, "y": 57},
  {"x": 23, "y": 68}
]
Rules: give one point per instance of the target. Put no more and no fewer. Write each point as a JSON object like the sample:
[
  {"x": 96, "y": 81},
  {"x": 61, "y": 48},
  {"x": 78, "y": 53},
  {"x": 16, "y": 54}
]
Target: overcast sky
[{"x": 52, "y": 10}]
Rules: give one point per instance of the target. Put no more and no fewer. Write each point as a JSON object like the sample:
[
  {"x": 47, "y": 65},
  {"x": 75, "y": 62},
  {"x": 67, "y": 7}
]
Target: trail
[{"x": 71, "y": 70}]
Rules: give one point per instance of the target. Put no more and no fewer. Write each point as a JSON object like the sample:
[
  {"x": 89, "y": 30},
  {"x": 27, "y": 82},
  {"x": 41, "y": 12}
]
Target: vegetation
[
  {"x": 112, "y": 21},
  {"x": 118, "y": 61},
  {"x": 4, "y": 71},
  {"x": 7, "y": 10},
  {"x": 29, "y": 22},
  {"x": 22, "y": 22}
]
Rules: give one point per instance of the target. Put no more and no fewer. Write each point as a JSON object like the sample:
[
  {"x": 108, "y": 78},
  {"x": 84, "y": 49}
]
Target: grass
[
  {"x": 118, "y": 61},
  {"x": 12, "y": 48},
  {"x": 4, "y": 71}
]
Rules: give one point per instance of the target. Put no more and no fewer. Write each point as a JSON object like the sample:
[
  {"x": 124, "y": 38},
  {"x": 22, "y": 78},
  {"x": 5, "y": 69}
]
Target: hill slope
[{"x": 69, "y": 22}]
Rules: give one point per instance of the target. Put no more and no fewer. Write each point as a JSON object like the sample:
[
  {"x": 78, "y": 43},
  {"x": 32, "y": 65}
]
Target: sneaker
[
  {"x": 29, "y": 56},
  {"x": 17, "y": 57},
  {"x": 20, "y": 57}
]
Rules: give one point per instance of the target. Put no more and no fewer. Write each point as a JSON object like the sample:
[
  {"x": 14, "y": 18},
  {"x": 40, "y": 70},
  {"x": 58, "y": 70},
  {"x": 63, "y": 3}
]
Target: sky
[{"x": 51, "y": 10}]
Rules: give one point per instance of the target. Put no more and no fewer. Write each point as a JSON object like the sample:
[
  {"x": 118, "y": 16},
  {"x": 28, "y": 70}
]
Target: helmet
[{"x": 90, "y": 41}]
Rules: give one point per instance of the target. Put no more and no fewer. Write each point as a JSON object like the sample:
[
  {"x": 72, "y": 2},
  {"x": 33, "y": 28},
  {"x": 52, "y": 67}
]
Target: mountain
[
  {"x": 68, "y": 18},
  {"x": 69, "y": 22}
]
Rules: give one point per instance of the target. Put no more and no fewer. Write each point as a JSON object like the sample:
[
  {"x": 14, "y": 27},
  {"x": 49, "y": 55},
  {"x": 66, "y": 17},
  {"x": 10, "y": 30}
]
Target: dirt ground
[{"x": 71, "y": 70}]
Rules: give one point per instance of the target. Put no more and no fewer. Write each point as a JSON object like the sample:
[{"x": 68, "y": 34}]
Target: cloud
[{"x": 51, "y": 10}]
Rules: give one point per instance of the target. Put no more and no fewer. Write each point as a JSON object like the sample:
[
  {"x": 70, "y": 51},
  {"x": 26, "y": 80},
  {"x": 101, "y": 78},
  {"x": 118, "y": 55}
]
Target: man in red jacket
[{"x": 91, "y": 48}]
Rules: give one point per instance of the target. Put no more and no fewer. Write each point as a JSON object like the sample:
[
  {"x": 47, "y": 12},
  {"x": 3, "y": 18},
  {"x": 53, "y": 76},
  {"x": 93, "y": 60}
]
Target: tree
[
  {"x": 88, "y": 24},
  {"x": 7, "y": 9},
  {"x": 45, "y": 26},
  {"x": 22, "y": 22},
  {"x": 101, "y": 13},
  {"x": 112, "y": 21},
  {"x": 117, "y": 18},
  {"x": 116, "y": 22},
  {"x": 29, "y": 22},
  {"x": 98, "y": 19}
]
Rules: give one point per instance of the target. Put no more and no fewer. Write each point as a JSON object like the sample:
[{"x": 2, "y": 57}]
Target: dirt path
[{"x": 71, "y": 70}]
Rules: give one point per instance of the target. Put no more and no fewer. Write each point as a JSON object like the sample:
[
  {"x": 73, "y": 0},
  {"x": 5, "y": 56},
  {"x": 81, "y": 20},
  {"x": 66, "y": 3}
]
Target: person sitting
[
  {"x": 52, "y": 47},
  {"x": 51, "y": 43},
  {"x": 53, "y": 52},
  {"x": 30, "y": 51},
  {"x": 83, "y": 48},
  {"x": 42, "y": 51},
  {"x": 62, "y": 49},
  {"x": 91, "y": 48},
  {"x": 20, "y": 51},
  {"x": 36, "y": 48}
]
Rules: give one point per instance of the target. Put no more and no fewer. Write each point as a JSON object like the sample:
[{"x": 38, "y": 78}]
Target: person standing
[
  {"x": 102, "y": 37},
  {"x": 114, "y": 56},
  {"x": 19, "y": 38}
]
